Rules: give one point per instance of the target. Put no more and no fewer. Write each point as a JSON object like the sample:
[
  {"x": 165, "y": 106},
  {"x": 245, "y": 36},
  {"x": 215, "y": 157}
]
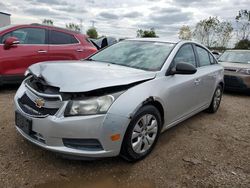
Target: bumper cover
[
  {"x": 51, "y": 130},
  {"x": 238, "y": 82}
]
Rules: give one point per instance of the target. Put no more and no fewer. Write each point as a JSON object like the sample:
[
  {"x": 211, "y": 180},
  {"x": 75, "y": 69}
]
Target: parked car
[
  {"x": 24, "y": 45},
  {"x": 237, "y": 69},
  {"x": 103, "y": 42},
  {"x": 216, "y": 54},
  {"x": 118, "y": 100}
]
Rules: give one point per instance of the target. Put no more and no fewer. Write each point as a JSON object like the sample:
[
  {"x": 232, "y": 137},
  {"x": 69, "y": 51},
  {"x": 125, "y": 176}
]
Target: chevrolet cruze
[{"x": 118, "y": 101}]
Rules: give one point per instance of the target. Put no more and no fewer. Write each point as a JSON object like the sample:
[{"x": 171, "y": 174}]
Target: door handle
[
  {"x": 197, "y": 81},
  {"x": 79, "y": 50},
  {"x": 42, "y": 51}
]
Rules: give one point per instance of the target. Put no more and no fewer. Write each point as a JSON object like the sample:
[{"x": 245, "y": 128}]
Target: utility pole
[
  {"x": 81, "y": 27},
  {"x": 93, "y": 23}
]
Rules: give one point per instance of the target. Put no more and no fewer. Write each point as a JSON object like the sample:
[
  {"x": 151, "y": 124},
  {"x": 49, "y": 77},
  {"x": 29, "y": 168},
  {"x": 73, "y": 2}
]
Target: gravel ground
[{"x": 204, "y": 151}]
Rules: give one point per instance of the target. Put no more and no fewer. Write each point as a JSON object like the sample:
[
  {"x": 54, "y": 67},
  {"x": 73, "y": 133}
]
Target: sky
[{"x": 122, "y": 18}]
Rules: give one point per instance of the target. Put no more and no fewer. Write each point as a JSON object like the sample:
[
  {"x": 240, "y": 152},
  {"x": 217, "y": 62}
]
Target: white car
[{"x": 119, "y": 100}]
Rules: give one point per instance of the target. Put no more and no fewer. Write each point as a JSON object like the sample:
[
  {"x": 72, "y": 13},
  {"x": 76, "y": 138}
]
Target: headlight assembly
[
  {"x": 244, "y": 71},
  {"x": 91, "y": 106}
]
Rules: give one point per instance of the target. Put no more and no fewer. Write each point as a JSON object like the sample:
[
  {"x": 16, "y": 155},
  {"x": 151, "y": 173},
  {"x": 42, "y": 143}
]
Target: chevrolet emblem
[{"x": 39, "y": 103}]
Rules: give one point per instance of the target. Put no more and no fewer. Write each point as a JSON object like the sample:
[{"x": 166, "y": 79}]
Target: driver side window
[
  {"x": 5, "y": 37},
  {"x": 185, "y": 55},
  {"x": 27, "y": 35}
]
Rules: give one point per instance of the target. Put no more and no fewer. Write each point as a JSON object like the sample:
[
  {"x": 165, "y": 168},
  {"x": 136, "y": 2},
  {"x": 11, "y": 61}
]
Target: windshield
[
  {"x": 137, "y": 54},
  {"x": 235, "y": 56}
]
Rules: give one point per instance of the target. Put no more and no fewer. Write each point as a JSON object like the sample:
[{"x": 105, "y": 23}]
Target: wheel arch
[
  {"x": 222, "y": 84},
  {"x": 157, "y": 104}
]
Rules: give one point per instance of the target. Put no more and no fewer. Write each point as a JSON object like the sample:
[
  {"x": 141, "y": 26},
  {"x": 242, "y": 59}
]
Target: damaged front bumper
[{"x": 84, "y": 136}]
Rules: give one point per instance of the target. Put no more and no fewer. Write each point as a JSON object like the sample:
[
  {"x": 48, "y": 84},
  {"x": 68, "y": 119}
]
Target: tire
[
  {"x": 142, "y": 134},
  {"x": 215, "y": 103}
]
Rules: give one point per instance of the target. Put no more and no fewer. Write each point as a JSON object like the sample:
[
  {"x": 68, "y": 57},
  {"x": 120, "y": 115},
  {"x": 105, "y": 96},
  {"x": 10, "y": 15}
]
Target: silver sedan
[{"x": 119, "y": 100}]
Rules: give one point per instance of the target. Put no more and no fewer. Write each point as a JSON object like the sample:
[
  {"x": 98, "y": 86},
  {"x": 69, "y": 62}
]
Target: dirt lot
[{"x": 204, "y": 151}]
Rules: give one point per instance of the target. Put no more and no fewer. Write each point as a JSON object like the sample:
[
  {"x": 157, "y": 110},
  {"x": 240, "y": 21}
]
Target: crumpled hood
[
  {"x": 235, "y": 66},
  {"x": 83, "y": 76}
]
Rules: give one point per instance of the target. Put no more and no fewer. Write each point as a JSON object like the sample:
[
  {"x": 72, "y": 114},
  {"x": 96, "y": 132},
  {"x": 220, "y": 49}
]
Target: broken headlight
[{"x": 91, "y": 106}]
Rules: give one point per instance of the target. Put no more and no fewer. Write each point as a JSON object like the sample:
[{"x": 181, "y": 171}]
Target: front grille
[
  {"x": 83, "y": 144},
  {"x": 29, "y": 107},
  {"x": 234, "y": 82},
  {"x": 37, "y": 136},
  {"x": 231, "y": 70}
]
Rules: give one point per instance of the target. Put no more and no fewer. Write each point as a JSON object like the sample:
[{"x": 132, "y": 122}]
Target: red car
[{"x": 24, "y": 45}]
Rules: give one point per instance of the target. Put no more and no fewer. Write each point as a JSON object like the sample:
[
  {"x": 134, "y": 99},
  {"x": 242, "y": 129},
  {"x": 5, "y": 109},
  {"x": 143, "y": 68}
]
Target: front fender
[{"x": 131, "y": 100}]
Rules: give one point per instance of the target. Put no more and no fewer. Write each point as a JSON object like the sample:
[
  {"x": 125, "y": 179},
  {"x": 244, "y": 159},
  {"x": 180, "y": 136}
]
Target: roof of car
[
  {"x": 42, "y": 25},
  {"x": 59, "y": 28},
  {"x": 155, "y": 40}
]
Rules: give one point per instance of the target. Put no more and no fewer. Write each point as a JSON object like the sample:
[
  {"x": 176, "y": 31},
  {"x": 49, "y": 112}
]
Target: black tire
[
  {"x": 213, "y": 108},
  {"x": 127, "y": 151}
]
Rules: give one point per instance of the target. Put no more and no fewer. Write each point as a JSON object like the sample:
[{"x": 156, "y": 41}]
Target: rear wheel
[
  {"x": 215, "y": 103},
  {"x": 142, "y": 134}
]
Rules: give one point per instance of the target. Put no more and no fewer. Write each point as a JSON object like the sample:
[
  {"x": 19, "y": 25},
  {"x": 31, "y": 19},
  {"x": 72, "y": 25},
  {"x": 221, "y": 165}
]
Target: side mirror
[
  {"x": 183, "y": 68},
  {"x": 10, "y": 42}
]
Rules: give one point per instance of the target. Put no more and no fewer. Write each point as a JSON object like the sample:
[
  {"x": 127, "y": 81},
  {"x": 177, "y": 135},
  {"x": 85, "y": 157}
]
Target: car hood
[
  {"x": 235, "y": 66},
  {"x": 83, "y": 76}
]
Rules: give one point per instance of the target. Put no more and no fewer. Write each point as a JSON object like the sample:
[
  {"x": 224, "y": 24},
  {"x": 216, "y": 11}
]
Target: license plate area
[{"x": 23, "y": 123}]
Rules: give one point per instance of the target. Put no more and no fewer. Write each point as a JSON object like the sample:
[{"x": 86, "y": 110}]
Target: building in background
[{"x": 4, "y": 19}]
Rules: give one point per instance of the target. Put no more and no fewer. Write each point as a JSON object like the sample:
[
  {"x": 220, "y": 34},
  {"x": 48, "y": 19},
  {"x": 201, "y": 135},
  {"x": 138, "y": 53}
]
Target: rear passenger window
[
  {"x": 203, "y": 56},
  {"x": 185, "y": 55},
  {"x": 57, "y": 37}
]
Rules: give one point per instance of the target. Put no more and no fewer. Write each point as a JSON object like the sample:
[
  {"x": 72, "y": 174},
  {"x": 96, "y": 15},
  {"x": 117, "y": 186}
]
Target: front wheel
[
  {"x": 142, "y": 134},
  {"x": 215, "y": 103}
]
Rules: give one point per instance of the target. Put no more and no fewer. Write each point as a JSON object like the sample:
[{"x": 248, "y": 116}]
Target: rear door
[
  {"x": 207, "y": 75},
  {"x": 64, "y": 46},
  {"x": 32, "y": 49}
]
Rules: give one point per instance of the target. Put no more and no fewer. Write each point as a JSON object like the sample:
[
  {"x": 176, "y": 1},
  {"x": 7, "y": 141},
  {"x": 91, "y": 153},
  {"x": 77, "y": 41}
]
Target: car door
[
  {"x": 207, "y": 75},
  {"x": 183, "y": 90},
  {"x": 63, "y": 46},
  {"x": 32, "y": 49}
]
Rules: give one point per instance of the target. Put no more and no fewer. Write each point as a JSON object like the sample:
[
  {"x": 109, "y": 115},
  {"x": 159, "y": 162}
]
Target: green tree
[
  {"x": 224, "y": 33},
  {"x": 47, "y": 22},
  {"x": 92, "y": 33},
  {"x": 213, "y": 33},
  {"x": 243, "y": 24},
  {"x": 243, "y": 44},
  {"x": 205, "y": 31},
  {"x": 146, "y": 33},
  {"x": 185, "y": 33},
  {"x": 72, "y": 26}
]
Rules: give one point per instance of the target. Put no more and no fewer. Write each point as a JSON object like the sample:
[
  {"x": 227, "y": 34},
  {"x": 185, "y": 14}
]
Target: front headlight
[
  {"x": 244, "y": 71},
  {"x": 96, "y": 105}
]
